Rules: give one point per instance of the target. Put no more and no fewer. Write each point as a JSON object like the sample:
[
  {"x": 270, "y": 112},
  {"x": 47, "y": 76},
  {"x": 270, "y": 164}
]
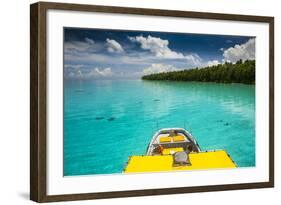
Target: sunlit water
[{"x": 106, "y": 121}]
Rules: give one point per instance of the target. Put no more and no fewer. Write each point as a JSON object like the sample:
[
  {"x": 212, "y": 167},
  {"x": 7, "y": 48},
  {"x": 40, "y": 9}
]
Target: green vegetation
[{"x": 240, "y": 72}]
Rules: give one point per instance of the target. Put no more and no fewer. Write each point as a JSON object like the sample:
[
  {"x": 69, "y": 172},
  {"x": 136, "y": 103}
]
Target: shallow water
[{"x": 107, "y": 121}]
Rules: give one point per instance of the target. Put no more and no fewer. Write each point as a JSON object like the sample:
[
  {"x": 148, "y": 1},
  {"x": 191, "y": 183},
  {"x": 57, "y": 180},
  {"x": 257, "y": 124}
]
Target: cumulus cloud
[
  {"x": 82, "y": 72},
  {"x": 213, "y": 63},
  {"x": 90, "y": 41},
  {"x": 194, "y": 59},
  {"x": 157, "y": 46},
  {"x": 158, "y": 68},
  {"x": 162, "y": 68},
  {"x": 73, "y": 74},
  {"x": 160, "y": 48},
  {"x": 244, "y": 51},
  {"x": 73, "y": 70},
  {"x": 97, "y": 72},
  {"x": 113, "y": 46}
]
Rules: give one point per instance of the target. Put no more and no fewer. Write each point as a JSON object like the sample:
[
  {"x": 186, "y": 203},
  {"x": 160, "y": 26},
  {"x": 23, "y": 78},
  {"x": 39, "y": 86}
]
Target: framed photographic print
[{"x": 134, "y": 102}]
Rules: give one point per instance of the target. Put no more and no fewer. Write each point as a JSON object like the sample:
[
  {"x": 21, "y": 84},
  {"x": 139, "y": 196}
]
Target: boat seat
[
  {"x": 172, "y": 150},
  {"x": 165, "y": 139},
  {"x": 178, "y": 138}
]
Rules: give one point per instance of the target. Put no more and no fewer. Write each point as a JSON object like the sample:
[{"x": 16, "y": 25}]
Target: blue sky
[{"x": 117, "y": 54}]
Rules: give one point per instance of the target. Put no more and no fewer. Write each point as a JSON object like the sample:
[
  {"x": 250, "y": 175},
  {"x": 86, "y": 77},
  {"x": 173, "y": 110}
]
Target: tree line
[{"x": 239, "y": 72}]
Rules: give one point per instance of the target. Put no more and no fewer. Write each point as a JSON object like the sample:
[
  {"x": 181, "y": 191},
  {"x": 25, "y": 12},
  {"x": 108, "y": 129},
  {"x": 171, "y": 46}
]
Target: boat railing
[
  {"x": 154, "y": 147},
  {"x": 172, "y": 145}
]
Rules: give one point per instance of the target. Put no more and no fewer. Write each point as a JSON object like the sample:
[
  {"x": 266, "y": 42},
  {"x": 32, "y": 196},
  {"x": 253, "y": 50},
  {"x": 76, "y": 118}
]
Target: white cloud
[
  {"x": 87, "y": 58},
  {"x": 156, "y": 46},
  {"x": 73, "y": 71},
  {"x": 158, "y": 68},
  {"x": 90, "y": 41},
  {"x": 244, "y": 51},
  {"x": 160, "y": 48},
  {"x": 80, "y": 73},
  {"x": 194, "y": 59},
  {"x": 69, "y": 66},
  {"x": 162, "y": 68},
  {"x": 73, "y": 74},
  {"x": 79, "y": 45},
  {"x": 113, "y": 46},
  {"x": 213, "y": 63},
  {"x": 96, "y": 72}
]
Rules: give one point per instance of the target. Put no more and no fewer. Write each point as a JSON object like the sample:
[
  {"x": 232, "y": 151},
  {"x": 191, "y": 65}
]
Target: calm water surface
[{"x": 107, "y": 121}]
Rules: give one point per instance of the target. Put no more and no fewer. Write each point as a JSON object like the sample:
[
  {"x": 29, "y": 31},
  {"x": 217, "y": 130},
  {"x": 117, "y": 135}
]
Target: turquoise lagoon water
[{"x": 107, "y": 121}]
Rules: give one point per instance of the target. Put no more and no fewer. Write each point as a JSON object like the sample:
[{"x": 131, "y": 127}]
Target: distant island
[{"x": 239, "y": 72}]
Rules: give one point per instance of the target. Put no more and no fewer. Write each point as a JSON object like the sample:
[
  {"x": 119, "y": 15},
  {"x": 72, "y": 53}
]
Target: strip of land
[{"x": 239, "y": 72}]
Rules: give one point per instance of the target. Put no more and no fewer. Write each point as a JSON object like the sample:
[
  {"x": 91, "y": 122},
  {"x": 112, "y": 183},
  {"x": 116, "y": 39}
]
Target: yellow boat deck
[{"x": 199, "y": 161}]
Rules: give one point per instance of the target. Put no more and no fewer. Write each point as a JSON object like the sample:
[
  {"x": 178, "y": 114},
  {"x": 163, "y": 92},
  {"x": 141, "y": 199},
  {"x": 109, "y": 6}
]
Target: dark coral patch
[{"x": 111, "y": 119}]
